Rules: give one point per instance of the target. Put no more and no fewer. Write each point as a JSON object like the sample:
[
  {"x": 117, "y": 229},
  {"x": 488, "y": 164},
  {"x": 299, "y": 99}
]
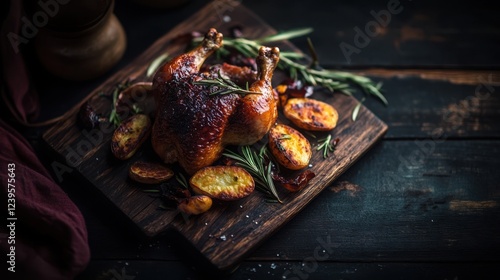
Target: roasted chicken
[{"x": 193, "y": 126}]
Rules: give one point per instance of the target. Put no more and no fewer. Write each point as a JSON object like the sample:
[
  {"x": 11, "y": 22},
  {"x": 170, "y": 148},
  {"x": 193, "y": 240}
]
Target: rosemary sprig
[
  {"x": 310, "y": 74},
  {"x": 113, "y": 115},
  {"x": 284, "y": 136},
  {"x": 327, "y": 145},
  {"x": 155, "y": 64},
  {"x": 114, "y": 118},
  {"x": 136, "y": 109},
  {"x": 356, "y": 109},
  {"x": 254, "y": 164},
  {"x": 223, "y": 85},
  {"x": 182, "y": 180}
]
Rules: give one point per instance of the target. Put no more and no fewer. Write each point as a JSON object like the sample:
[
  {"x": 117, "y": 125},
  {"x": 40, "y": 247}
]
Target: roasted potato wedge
[
  {"x": 280, "y": 95},
  {"x": 195, "y": 205},
  {"x": 149, "y": 173},
  {"x": 311, "y": 114},
  {"x": 223, "y": 182},
  {"x": 290, "y": 148},
  {"x": 130, "y": 135}
]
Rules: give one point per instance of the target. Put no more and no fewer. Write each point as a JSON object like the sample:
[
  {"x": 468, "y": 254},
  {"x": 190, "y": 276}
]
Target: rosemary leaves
[
  {"x": 223, "y": 85},
  {"x": 310, "y": 74},
  {"x": 327, "y": 145},
  {"x": 255, "y": 165}
]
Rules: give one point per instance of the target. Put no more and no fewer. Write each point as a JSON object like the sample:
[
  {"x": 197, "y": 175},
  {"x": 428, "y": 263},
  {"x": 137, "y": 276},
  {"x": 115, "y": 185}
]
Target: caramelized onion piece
[{"x": 294, "y": 184}]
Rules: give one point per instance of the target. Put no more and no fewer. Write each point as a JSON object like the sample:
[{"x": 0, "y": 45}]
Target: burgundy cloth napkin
[{"x": 49, "y": 231}]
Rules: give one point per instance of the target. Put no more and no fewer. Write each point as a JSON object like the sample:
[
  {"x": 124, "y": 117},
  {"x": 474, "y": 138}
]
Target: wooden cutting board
[{"x": 226, "y": 233}]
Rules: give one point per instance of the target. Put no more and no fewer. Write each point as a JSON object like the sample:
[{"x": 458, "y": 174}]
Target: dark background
[{"x": 385, "y": 218}]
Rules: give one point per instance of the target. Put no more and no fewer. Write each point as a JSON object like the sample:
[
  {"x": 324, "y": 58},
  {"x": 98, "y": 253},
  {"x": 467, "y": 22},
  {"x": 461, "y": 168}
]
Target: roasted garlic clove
[{"x": 195, "y": 205}]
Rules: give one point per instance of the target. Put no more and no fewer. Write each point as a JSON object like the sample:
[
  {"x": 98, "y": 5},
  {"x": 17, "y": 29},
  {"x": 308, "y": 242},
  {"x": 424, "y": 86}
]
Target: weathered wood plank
[
  {"x": 473, "y": 41},
  {"x": 428, "y": 108},
  {"x": 156, "y": 270},
  {"x": 459, "y": 76},
  {"x": 447, "y": 34},
  {"x": 244, "y": 224},
  {"x": 412, "y": 112},
  {"x": 415, "y": 201}
]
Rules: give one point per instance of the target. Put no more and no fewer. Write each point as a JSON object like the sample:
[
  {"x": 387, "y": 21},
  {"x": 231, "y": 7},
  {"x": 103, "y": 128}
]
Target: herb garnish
[
  {"x": 114, "y": 118},
  {"x": 155, "y": 64},
  {"x": 327, "y": 145},
  {"x": 356, "y": 109},
  {"x": 311, "y": 74},
  {"x": 254, "y": 164},
  {"x": 223, "y": 85},
  {"x": 284, "y": 137},
  {"x": 182, "y": 181}
]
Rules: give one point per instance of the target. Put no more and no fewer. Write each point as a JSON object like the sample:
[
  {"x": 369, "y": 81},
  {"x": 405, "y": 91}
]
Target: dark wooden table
[{"x": 424, "y": 203}]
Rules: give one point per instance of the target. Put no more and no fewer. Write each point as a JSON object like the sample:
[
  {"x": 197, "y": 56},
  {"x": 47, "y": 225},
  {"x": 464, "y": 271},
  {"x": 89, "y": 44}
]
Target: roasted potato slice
[
  {"x": 223, "y": 182},
  {"x": 311, "y": 114},
  {"x": 149, "y": 173},
  {"x": 290, "y": 148},
  {"x": 195, "y": 205},
  {"x": 130, "y": 135}
]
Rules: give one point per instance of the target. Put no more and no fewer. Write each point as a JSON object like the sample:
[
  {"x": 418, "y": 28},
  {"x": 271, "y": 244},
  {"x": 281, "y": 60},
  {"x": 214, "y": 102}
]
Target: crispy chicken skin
[{"x": 192, "y": 126}]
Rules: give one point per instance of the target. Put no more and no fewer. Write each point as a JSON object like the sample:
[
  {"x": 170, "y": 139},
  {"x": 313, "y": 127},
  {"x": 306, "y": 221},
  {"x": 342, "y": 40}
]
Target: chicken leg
[{"x": 193, "y": 126}]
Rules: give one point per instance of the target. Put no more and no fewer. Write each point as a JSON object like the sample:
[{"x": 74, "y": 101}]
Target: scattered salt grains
[
  {"x": 223, "y": 237},
  {"x": 126, "y": 263},
  {"x": 241, "y": 206},
  {"x": 232, "y": 235},
  {"x": 253, "y": 269},
  {"x": 226, "y": 18},
  {"x": 206, "y": 224},
  {"x": 246, "y": 216},
  {"x": 273, "y": 266},
  {"x": 256, "y": 222}
]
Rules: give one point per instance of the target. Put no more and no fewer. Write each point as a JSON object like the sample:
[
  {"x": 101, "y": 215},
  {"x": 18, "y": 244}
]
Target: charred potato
[
  {"x": 223, "y": 182},
  {"x": 149, "y": 173},
  {"x": 290, "y": 148},
  {"x": 311, "y": 114},
  {"x": 195, "y": 205},
  {"x": 130, "y": 135}
]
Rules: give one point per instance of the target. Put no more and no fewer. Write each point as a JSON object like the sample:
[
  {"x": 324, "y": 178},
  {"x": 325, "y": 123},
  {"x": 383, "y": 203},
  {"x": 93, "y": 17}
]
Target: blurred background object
[
  {"x": 81, "y": 39},
  {"x": 162, "y": 4}
]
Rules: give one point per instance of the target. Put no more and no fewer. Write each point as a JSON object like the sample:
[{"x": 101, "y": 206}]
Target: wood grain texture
[
  {"x": 230, "y": 230},
  {"x": 156, "y": 270},
  {"x": 432, "y": 108},
  {"x": 405, "y": 201},
  {"x": 447, "y": 34}
]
